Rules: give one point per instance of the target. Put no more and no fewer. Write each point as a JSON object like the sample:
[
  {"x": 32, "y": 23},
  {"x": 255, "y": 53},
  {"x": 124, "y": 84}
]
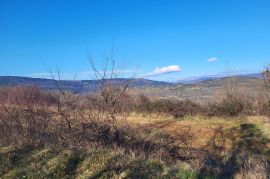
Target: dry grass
[
  {"x": 203, "y": 127},
  {"x": 55, "y": 162}
]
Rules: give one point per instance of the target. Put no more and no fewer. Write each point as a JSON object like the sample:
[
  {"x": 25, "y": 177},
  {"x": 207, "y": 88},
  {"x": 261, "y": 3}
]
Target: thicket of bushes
[
  {"x": 33, "y": 98},
  {"x": 228, "y": 105},
  {"x": 32, "y": 116},
  {"x": 172, "y": 107}
]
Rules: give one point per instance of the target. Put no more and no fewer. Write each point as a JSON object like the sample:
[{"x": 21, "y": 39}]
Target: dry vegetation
[{"x": 110, "y": 133}]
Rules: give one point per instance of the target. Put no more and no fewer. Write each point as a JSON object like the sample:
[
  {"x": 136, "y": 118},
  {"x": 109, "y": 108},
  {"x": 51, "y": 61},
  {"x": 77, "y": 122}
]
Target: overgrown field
[{"x": 238, "y": 146}]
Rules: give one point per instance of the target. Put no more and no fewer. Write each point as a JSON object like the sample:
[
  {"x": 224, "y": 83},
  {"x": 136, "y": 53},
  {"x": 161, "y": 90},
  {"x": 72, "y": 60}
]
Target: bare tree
[
  {"x": 111, "y": 93},
  {"x": 65, "y": 102},
  {"x": 266, "y": 77}
]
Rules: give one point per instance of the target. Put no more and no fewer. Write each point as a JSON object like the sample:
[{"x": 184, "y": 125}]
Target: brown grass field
[{"x": 241, "y": 133}]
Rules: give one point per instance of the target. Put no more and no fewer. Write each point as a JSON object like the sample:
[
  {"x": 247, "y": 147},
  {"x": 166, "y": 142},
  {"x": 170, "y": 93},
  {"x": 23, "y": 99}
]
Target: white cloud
[
  {"x": 212, "y": 59},
  {"x": 163, "y": 70}
]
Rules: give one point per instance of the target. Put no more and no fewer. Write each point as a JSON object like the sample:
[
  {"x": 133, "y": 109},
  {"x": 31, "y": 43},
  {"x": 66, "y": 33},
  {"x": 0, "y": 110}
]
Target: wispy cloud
[
  {"x": 212, "y": 59},
  {"x": 163, "y": 70}
]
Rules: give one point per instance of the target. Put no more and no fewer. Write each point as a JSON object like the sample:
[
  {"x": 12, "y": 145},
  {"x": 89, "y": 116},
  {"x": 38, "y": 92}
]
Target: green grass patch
[{"x": 56, "y": 162}]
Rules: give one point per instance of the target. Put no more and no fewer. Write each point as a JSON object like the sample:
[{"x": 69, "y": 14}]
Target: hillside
[
  {"x": 203, "y": 90},
  {"x": 206, "y": 90}
]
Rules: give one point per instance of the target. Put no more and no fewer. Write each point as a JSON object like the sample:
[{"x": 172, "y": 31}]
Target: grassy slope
[
  {"x": 53, "y": 162},
  {"x": 250, "y": 134}
]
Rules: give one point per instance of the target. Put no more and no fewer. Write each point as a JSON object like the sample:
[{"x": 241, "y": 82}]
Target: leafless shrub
[
  {"x": 112, "y": 96},
  {"x": 266, "y": 77},
  {"x": 228, "y": 107},
  {"x": 253, "y": 168},
  {"x": 24, "y": 115},
  {"x": 230, "y": 101},
  {"x": 166, "y": 106},
  {"x": 233, "y": 100},
  {"x": 187, "y": 138}
]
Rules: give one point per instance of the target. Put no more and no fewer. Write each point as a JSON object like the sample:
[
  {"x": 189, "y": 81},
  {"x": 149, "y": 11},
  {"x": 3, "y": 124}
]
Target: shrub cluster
[
  {"x": 175, "y": 108},
  {"x": 29, "y": 116},
  {"x": 239, "y": 103},
  {"x": 227, "y": 105}
]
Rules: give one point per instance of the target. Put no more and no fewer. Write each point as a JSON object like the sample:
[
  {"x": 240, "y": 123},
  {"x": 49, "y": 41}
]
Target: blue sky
[{"x": 159, "y": 39}]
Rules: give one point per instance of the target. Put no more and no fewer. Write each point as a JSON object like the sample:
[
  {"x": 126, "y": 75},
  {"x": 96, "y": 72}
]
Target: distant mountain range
[
  {"x": 191, "y": 80},
  {"x": 76, "y": 86},
  {"x": 80, "y": 86}
]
